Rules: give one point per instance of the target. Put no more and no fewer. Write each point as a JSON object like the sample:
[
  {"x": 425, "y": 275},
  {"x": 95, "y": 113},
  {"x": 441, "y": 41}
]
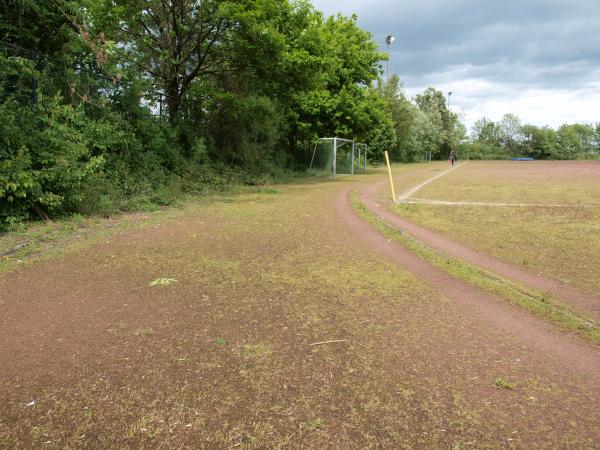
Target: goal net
[{"x": 337, "y": 156}]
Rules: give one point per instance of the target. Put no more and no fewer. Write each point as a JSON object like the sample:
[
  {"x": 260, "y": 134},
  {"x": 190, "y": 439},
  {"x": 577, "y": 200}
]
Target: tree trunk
[{"x": 173, "y": 100}]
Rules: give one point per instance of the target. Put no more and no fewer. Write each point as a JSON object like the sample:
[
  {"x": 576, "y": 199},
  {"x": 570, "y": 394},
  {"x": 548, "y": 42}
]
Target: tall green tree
[
  {"x": 171, "y": 43},
  {"x": 449, "y": 131},
  {"x": 510, "y": 131}
]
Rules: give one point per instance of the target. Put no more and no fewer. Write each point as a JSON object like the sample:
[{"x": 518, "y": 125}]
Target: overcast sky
[{"x": 538, "y": 59}]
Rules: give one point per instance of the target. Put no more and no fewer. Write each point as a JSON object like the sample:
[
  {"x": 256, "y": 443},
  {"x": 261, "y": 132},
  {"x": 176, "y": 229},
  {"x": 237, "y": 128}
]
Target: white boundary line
[
  {"x": 424, "y": 201},
  {"x": 404, "y": 198},
  {"x": 405, "y": 195}
]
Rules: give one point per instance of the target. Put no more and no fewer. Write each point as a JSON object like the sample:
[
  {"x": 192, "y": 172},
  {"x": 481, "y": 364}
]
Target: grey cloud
[
  {"x": 495, "y": 52},
  {"x": 534, "y": 39}
]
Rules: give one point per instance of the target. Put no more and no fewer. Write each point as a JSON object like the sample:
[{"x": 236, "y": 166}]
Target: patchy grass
[
  {"x": 540, "y": 303},
  {"x": 501, "y": 383},
  {"x": 546, "y": 182},
  {"x": 223, "y": 357},
  {"x": 562, "y": 243}
]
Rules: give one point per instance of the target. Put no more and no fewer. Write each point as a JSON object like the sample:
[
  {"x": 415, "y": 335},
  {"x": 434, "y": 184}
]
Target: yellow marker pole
[{"x": 387, "y": 161}]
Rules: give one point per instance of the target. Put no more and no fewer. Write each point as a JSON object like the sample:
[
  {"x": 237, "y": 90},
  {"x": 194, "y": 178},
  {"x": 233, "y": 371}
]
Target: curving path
[
  {"x": 582, "y": 303},
  {"x": 564, "y": 349}
]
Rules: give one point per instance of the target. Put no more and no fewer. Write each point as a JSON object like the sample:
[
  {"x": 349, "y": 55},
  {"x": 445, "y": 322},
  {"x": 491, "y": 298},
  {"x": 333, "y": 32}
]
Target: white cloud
[{"x": 476, "y": 98}]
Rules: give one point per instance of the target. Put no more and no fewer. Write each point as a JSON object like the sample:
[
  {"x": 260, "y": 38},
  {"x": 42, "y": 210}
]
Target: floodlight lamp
[{"x": 389, "y": 39}]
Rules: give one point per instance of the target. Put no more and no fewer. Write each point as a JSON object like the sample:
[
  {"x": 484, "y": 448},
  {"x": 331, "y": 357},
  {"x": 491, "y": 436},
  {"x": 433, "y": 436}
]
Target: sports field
[
  {"x": 542, "y": 216},
  {"x": 281, "y": 318}
]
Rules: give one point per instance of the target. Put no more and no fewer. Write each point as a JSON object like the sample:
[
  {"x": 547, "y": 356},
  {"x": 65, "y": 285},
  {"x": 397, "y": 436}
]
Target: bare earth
[{"x": 94, "y": 357}]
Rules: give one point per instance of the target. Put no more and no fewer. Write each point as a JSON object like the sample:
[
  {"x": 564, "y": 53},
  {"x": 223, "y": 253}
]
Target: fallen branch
[
  {"x": 329, "y": 342},
  {"x": 14, "y": 249},
  {"x": 40, "y": 212}
]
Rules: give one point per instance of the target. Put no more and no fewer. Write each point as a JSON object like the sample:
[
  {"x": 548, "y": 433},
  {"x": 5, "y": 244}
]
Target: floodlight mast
[{"x": 389, "y": 40}]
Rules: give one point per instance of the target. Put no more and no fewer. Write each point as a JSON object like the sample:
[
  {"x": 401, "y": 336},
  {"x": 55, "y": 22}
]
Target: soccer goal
[{"x": 339, "y": 156}]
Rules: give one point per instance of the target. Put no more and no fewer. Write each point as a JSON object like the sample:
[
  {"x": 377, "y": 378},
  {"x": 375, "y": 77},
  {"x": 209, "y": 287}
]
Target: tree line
[
  {"x": 110, "y": 105},
  {"x": 509, "y": 137}
]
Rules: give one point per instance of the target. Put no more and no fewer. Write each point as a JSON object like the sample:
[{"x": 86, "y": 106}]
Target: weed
[
  {"x": 502, "y": 383},
  {"x": 317, "y": 423},
  {"x": 162, "y": 282}
]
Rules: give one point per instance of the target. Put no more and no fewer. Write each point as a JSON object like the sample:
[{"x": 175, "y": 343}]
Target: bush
[
  {"x": 479, "y": 150},
  {"x": 245, "y": 131},
  {"x": 46, "y": 159}
]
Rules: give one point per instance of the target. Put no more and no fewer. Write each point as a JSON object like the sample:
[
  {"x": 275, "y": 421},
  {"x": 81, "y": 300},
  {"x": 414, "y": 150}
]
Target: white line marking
[
  {"x": 410, "y": 192},
  {"x": 424, "y": 201}
]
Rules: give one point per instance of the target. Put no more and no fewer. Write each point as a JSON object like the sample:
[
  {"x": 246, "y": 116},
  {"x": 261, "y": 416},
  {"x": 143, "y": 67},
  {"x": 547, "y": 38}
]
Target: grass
[
  {"x": 540, "y": 303},
  {"x": 562, "y": 243},
  {"x": 226, "y": 349},
  {"x": 501, "y": 383},
  {"x": 28, "y": 242},
  {"x": 222, "y": 358}
]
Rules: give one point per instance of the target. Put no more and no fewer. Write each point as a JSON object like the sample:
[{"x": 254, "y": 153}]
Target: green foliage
[
  {"x": 502, "y": 383},
  {"x": 46, "y": 158},
  {"x": 120, "y": 105},
  {"x": 425, "y": 127},
  {"x": 245, "y": 130},
  {"x": 509, "y": 138}
]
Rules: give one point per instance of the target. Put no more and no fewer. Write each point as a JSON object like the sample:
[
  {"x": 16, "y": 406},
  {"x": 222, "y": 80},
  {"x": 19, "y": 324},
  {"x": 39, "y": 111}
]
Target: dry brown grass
[{"x": 563, "y": 243}]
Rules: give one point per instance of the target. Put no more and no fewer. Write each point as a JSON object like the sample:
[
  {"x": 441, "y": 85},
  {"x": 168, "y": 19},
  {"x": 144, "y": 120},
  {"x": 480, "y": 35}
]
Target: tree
[
  {"x": 574, "y": 141},
  {"x": 486, "y": 131},
  {"x": 510, "y": 131},
  {"x": 539, "y": 142},
  {"x": 172, "y": 43},
  {"x": 449, "y": 133},
  {"x": 403, "y": 114}
]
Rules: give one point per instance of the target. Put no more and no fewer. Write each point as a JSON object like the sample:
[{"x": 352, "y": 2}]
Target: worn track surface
[
  {"x": 92, "y": 356},
  {"x": 583, "y": 303}
]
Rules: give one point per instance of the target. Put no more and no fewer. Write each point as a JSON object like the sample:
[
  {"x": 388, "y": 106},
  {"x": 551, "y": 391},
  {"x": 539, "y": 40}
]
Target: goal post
[
  {"x": 339, "y": 156},
  {"x": 361, "y": 153}
]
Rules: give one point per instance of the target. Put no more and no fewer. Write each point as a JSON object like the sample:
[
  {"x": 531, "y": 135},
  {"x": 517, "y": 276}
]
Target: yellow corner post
[{"x": 387, "y": 161}]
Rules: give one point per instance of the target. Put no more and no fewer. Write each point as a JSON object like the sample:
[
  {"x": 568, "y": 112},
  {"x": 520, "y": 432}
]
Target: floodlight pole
[
  {"x": 387, "y": 63},
  {"x": 352, "y": 162},
  {"x": 389, "y": 39},
  {"x": 449, "y": 95}
]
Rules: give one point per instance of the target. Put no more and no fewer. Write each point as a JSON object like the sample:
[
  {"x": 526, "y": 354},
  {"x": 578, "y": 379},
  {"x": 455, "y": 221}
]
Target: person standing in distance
[{"x": 452, "y": 157}]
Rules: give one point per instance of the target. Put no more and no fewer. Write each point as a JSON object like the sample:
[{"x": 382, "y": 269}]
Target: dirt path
[
  {"x": 563, "y": 349},
  {"x": 580, "y": 302},
  {"x": 94, "y": 357}
]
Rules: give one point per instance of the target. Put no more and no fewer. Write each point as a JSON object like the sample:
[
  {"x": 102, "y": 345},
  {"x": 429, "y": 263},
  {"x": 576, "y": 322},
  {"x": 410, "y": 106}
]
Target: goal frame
[{"x": 362, "y": 153}]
